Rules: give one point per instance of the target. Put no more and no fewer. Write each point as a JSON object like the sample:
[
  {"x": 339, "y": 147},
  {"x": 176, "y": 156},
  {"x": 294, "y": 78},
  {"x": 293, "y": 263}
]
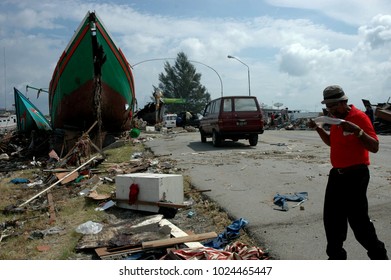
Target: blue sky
[{"x": 293, "y": 49}]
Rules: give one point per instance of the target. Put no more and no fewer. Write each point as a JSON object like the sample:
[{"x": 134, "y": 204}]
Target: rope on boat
[{"x": 98, "y": 108}]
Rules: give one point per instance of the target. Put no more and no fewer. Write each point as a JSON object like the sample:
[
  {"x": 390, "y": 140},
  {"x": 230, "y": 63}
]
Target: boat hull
[
  {"x": 92, "y": 82},
  {"x": 383, "y": 114},
  {"x": 77, "y": 110},
  {"x": 29, "y": 118}
]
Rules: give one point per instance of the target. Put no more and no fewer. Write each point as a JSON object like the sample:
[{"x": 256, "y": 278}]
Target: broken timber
[
  {"x": 158, "y": 203},
  {"x": 178, "y": 240},
  {"x": 179, "y": 235},
  {"x": 51, "y": 208},
  {"x": 59, "y": 181}
]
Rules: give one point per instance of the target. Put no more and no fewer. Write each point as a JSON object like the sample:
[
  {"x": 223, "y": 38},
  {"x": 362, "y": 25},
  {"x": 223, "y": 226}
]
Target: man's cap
[{"x": 333, "y": 94}]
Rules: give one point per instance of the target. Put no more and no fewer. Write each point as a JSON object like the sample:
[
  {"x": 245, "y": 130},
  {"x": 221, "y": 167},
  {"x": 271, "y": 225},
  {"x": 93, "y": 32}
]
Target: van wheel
[
  {"x": 203, "y": 137},
  {"x": 216, "y": 139},
  {"x": 253, "y": 140}
]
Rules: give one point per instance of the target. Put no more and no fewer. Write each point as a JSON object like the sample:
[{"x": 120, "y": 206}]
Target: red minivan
[{"x": 232, "y": 117}]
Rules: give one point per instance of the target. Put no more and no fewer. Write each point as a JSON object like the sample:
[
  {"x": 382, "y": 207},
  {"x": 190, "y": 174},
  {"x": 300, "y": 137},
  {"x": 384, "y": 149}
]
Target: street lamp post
[
  {"x": 154, "y": 59},
  {"x": 248, "y": 72}
]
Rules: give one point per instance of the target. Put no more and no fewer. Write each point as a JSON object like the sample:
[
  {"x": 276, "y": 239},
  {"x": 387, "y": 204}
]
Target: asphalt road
[{"x": 243, "y": 181}]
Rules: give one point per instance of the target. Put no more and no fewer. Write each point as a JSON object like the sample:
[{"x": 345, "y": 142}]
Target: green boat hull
[
  {"x": 92, "y": 82},
  {"x": 29, "y": 118}
]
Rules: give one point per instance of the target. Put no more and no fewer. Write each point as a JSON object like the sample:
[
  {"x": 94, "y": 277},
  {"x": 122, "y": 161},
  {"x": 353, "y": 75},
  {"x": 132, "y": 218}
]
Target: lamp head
[{"x": 230, "y": 56}]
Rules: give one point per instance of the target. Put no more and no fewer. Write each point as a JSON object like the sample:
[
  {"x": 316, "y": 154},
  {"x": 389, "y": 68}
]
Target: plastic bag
[
  {"x": 89, "y": 227},
  {"x": 328, "y": 120}
]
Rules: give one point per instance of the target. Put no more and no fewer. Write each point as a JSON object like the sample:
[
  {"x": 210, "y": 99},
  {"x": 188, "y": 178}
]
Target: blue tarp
[
  {"x": 280, "y": 200},
  {"x": 19, "y": 181},
  {"x": 230, "y": 233}
]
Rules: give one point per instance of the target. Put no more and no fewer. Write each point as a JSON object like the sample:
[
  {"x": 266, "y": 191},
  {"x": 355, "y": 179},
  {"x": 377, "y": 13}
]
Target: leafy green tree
[{"x": 181, "y": 81}]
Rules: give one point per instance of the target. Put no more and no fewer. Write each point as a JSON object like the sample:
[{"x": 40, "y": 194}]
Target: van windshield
[{"x": 245, "y": 105}]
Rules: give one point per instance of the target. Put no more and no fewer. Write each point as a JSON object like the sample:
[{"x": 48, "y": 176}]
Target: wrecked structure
[{"x": 381, "y": 116}]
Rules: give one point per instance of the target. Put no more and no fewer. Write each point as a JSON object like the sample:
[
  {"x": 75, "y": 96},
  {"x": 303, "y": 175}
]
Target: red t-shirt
[{"x": 347, "y": 150}]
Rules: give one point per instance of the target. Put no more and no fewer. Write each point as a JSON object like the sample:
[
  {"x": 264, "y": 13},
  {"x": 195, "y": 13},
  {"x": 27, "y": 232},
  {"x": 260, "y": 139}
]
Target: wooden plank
[
  {"x": 107, "y": 253},
  {"x": 104, "y": 254},
  {"x": 197, "y": 191},
  {"x": 138, "y": 168},
  {"x": 52, "y": 213},
  {"x": 94, "y": 195},
  {"x": 59, "y": 181},
  {"x": 70, "y": 178},
  {"x": 177, "y": 232},
  {"x": 178, "y": 240},
  {"x": 158, "y": 203}
]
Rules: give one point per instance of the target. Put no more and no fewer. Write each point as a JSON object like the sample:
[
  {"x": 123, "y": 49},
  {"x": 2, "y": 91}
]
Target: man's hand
[
  {"x": 370, "y": 143},
  {"x": 322, "y": 133},
  {"x": 350, "y": 127},
  {"x": 312, "y": 124}
]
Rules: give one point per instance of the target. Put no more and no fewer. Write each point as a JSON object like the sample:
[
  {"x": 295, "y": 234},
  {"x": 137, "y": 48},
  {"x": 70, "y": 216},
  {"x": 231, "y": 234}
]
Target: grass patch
[
  {"x": 22, "y": 233},
  {"x": 123, "y": 153}
]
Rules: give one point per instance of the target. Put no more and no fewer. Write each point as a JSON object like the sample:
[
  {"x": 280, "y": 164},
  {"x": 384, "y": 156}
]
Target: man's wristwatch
[{"x": 360, "y": 133}]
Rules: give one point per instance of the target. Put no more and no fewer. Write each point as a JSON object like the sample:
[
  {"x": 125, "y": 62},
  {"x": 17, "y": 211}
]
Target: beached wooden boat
[
  {"x": 383, "y": 114},
  {"x": 92, "y": 82},
  {"x": 28, "y": 116}
]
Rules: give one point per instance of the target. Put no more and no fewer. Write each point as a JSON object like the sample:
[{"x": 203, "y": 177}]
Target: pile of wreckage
[
  {"x": 382, "y": 116},
  {"x": 141, "y": 185},
  {"x": 158, "y": 238},
  {"x": 381, "y": 113}
]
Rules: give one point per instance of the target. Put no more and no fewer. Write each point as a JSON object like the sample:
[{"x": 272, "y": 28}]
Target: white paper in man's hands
[{"x": 328, "y": 120}]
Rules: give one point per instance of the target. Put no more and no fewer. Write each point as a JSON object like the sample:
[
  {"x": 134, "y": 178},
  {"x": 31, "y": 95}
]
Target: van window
[
  {"x": 227, "y": 105},
  {"x": 216, "y": 108},
  {"x": 208, "y": 109},
  {"x": 245, "y": 105},
  {"x": 211, "y": 107}
]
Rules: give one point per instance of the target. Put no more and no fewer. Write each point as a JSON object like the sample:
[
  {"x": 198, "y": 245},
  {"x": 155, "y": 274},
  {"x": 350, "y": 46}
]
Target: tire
[
  {"x": 253, "y": 140},
  {"x": 216, "y": 139},
  {"x": 203, "y": 137}
]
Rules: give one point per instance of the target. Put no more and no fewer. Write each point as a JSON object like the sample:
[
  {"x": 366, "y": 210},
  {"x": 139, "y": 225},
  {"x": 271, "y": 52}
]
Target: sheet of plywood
[
  {"x": 177, "y": 232},
  {"x": 70, "y": 178}
]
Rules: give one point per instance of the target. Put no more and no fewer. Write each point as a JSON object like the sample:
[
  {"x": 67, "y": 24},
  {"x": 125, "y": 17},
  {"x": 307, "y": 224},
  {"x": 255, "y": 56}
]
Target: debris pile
[
  {"x": 37, "y": 203},
  {"x": 382, "y": 121}
]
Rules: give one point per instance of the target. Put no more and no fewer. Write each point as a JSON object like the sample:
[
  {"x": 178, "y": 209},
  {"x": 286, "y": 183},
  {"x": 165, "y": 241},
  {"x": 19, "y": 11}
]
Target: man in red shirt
[{"x": 346, "y": 191}]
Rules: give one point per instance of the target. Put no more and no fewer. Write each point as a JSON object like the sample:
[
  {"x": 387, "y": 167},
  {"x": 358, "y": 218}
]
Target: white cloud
[
  {"x": 378, "y": 33},
  {"x": 353, "y": 12},
  {"x": 290, "y": 59}
]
